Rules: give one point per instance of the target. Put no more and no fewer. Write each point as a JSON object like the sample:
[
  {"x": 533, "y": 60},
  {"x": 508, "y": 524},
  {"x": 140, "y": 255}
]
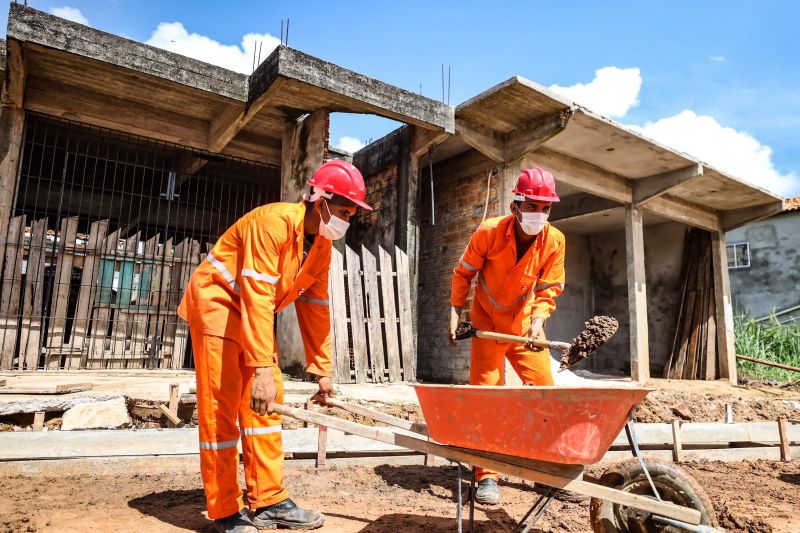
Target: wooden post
[
  {"x": 783, "y": 431},
  {"x": 724, "y": 318},
  {"x": 637, "y": 295},
  {"x": 322, "y": 446},
  {"x": 355, "y": 293},
  {"x": 677, "y": 446},
  {"x": 38, "y": 421},
  {"x": 389, "y": 316},
  {"x": 373, "y": 315},
  {"x": 341, "y": 353},
  {"x": 173, "y": 403}
]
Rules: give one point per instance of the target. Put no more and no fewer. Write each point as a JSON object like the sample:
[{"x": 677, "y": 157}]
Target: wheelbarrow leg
[
  {"x": 630, "y": 432},
  {"x": 458, "y": 512},
  {"x": 472, "y": 501},
  {"x": 540, "y": 506}
]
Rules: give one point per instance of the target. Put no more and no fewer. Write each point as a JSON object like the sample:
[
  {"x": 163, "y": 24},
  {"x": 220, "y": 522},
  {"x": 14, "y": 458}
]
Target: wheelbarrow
[{"x": 546, "y": 435}]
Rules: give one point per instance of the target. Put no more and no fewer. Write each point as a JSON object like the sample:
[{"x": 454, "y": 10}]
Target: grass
[{"x": 769, "y": 340}]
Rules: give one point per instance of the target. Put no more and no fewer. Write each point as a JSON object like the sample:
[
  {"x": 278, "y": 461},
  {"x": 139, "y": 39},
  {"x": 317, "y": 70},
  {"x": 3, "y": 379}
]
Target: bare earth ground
[{"x": 749, "y": 496}]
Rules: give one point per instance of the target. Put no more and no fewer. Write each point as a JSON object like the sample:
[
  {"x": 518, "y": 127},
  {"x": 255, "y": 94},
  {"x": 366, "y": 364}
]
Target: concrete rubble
[{"x": 108, "y": 414}]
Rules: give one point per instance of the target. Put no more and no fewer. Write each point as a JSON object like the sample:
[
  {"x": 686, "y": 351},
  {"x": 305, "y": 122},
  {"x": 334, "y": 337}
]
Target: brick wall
[{"x": 460, "y": 186}]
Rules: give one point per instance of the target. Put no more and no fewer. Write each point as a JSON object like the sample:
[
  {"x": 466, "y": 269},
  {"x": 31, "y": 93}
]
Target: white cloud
[
  {"x": 350, "y": 144},
  {"x": 174, "y": 37},
  {"x": 612, "y": 92},
  {"x": 718, "y": 59},
  {"x": 734, "y": 152},
  {"x": 70, "y": 13}
]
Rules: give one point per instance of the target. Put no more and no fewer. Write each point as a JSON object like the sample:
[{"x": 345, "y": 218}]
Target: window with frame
[{"x": 738, "y": 255}]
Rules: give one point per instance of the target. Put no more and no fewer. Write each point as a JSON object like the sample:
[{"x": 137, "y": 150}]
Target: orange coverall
[
  {"x": 508, "y": 295},
  {"x": 254, "y": 270}
]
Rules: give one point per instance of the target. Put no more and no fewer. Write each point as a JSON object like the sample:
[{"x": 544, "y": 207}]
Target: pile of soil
[
  {"x": 663, "y": 406},
  {"x": 748, "y": 497}
]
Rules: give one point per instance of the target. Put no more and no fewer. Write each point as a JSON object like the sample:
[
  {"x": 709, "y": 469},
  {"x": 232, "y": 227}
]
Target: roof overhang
[
  {"x": 72, "y": 71},
  {"x": 594, "y": 157}
]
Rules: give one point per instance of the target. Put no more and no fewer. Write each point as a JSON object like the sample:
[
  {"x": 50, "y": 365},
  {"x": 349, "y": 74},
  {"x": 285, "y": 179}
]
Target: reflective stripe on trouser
[
  {"x": 223, "y": 395},
  {"x": 487, "y": 362}
]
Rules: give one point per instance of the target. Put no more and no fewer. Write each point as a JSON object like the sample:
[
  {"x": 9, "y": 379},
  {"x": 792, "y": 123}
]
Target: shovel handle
[{"x": 503, "y": 337}]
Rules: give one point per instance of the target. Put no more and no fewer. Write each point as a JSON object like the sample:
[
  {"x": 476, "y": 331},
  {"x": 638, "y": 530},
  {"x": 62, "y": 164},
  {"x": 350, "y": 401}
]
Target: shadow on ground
[{"x": 180, "y": 508}]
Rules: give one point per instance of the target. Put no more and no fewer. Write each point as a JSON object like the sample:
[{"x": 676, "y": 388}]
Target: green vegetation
[{"x": 769, "y": 340}]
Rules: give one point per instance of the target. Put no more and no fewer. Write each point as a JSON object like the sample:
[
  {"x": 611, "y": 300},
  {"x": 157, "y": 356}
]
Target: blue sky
[{"x": 718, "y": 79}]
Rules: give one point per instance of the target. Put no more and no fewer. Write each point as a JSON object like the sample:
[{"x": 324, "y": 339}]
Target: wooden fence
[
  {"x": 96, "y": 301},
  {"x": 372, "y": 330}
]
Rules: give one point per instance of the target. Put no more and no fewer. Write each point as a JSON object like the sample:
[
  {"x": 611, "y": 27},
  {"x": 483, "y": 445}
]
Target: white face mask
[
  {"x": 533, "y": 223},
  {"x": 335, "y": 228}
]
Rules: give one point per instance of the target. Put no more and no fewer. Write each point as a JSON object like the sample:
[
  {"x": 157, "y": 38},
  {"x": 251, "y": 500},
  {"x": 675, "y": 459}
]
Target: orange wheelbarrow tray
[{"x": 541, "y": 434}]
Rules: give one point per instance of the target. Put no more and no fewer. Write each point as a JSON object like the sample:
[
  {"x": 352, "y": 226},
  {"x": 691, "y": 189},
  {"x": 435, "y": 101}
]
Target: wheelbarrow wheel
[{"x": 672, "y": 483}]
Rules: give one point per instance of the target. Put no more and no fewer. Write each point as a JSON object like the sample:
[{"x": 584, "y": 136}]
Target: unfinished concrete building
[{"x": 122, "y": 163}]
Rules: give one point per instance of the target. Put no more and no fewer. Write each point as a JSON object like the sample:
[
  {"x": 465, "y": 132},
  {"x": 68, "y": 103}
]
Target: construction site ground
[
  {"x": 378, "y": 494},
  {"x": 749, "y": 496}
]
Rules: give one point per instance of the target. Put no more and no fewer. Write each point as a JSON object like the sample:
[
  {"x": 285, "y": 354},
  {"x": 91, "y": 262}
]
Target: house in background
[{"x": 764, "y": 264}]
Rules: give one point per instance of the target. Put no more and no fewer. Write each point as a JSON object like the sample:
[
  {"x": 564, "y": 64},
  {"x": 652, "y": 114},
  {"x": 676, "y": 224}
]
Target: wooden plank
[
  {"x": 322, "y": 447},
  {"x": 12, "y": 284},
  {"x": 533, "y": 471},
  {"x": 122, "y": 318},
  {"x": 356, "y": 298},
  {"x": 390, "y": 316},
  {"x": 59, "y": 295},
  {"x": 394, "y": 421},
  {"x": 30, "y": 342},
  {"x": 637, "y": 295},
  {"x": 100, "y": 341},
  {"x": 174, "y": 389},
  {"x": 407, "y": 340},
  {"x": 376, "y": 355},
  {"x": 172, "y": 418},
  {"x": 86, "y": 294},
  {"x": 68, "y": 388},
  {"x": 783, "y": 431},
  {"x": 709, "y": 433},
  {"x": 182, "y": 328},
  {"x": 724, "y": 309},
  {"x": 677, "y": 447},
  {"x": 336, "y": 291}
]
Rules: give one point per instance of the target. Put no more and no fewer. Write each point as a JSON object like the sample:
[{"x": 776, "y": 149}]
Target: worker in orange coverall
[
  {"x": 519, "y": 262},
  {"x": 273, "y": 256}
]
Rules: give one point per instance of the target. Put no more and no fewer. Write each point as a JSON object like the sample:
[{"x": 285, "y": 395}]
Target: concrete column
[
  {"x": 724, "y": 318},
  {"x": 637, "y": 295},
  {"x": 302, "y": 152}
]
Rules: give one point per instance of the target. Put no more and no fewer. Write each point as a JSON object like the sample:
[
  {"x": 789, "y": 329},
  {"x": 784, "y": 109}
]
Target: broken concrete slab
[
  {"x": 108, "y": 414},
  {"x": 56, "y": 403}
]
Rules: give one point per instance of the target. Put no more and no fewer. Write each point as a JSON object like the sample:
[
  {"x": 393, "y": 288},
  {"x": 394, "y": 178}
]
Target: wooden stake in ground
[
  {"x": 783, "y": 431},
  {"x": 173, "y": 404},
  {"x": 38, "y": 421},
  {"x": 677, "y": 447}
]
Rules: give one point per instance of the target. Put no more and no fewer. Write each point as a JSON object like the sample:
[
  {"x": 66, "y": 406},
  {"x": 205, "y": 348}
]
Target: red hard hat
[
  {"x": 535, "y": 184},
  {"x": 342, "y": 178}
]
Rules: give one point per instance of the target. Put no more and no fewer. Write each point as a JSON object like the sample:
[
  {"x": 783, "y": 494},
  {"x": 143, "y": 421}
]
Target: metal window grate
[{"x": 104, "y": 232}]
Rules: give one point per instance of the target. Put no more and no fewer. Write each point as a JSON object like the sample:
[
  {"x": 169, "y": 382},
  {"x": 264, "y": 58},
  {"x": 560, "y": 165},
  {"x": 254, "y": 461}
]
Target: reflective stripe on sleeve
[
  {"x": 316, "y": 301},
  {"x": 467, "y": 265},
  {"x": 544, "y": 286},
  {"x": 223, "y": 445},
  {"x": 247, "y": 432},
  {"x": 259, "y": 276},
  {"x": 220, "y": 266}
]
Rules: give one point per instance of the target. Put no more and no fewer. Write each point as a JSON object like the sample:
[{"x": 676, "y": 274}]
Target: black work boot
[
  {"x": 488, "y": 492},
  {"x": 287, "y": 515},
  {"x": 235, "y": 523}
]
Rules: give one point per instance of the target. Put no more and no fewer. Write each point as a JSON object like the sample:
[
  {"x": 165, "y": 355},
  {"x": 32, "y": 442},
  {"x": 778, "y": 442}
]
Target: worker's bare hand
[
  {"x": 325, "y": 391},
  {"x": 537, "y": 325},
  {"x": 263, "y": 391},
  {"x": 453, "y": 330}
]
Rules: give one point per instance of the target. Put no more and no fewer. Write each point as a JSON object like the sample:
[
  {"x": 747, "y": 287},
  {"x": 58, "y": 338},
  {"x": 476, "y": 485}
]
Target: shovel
[{"x": 596, "y": 332}]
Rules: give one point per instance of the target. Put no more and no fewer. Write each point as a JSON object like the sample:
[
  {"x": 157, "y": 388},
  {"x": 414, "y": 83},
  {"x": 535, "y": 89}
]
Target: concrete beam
[
  {"x": 580, "y": 204},
  {"x": 683, "y": 212},
  {"x": 374, "y": 96},
  {"x": 12, "y": 120},
  {"x": 424, "y": 139},
  {"x": 26, "y": 24},
  {"x": 645, "y": 189},
  {"x": 524, "y": 140},
  {"x": 486, "y": 141},
  {"x": 739, "y": 217}
]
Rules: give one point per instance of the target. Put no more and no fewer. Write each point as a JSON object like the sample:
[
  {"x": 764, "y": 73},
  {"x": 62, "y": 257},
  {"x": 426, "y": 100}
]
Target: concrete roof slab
[{"x": 312, "y": 84}]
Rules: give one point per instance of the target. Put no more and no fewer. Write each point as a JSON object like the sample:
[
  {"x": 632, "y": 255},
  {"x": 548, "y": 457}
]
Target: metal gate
[{"x": 104, "y": 232}]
